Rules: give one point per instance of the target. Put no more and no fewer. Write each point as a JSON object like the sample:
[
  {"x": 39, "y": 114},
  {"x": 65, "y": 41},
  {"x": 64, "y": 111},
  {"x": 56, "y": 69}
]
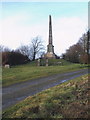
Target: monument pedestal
[{"x": 50, "y": 55}]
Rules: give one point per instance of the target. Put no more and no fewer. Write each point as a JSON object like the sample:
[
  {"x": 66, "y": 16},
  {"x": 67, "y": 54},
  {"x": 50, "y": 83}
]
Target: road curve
[{"x": 14, "y": 93}]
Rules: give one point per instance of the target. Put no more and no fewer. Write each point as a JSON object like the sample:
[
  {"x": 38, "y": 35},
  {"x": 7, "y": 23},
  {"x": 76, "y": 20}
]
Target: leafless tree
[
  {"x": 24, "y": 49},
  {"x": 80, "y": 52},
  {"x": 4, "y": 49},
  {"x": 1, "y": 48},
  {"x": 37, "y": 47},
  {"x": 73, "y": 53},
  {"x": 84, "y": 41}
]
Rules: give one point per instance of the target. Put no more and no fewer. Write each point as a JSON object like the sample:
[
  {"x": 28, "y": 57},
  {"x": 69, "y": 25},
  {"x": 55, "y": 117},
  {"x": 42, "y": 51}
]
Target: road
[{"x": 17, "y": 92}]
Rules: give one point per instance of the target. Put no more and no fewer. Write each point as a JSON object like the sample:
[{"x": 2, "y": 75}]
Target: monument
[{"x": 50, "y": 48}]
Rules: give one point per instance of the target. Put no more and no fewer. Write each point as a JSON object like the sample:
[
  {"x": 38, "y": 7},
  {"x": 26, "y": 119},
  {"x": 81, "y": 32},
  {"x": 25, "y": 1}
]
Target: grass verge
[
  {"x": 67, "y": 100},
  {"x": 27, "y": 72}
]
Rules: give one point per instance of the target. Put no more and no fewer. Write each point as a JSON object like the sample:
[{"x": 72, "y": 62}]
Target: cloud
[
  {"x": 66, "y": 31},
  {"x": 14, "y": 31}
]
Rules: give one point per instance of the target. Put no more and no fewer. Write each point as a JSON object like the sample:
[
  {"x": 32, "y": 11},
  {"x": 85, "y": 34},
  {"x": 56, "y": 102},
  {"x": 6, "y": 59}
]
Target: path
[{"x": 14, "y": 93}]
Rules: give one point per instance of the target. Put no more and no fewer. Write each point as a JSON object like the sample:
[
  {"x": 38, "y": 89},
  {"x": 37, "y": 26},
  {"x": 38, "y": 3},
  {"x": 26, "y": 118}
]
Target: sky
[{"x": 20, "y": 22}]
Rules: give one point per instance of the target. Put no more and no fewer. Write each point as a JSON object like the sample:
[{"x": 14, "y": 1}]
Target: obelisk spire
[
  {"x": 50, "y": 48},
  {"x": 50, "y": 30}
]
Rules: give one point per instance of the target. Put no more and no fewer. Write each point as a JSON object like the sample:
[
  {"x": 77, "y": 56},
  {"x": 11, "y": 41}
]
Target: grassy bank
[
  {"x": 26, "y": 72},
  {"x": 67, "y": 100}
]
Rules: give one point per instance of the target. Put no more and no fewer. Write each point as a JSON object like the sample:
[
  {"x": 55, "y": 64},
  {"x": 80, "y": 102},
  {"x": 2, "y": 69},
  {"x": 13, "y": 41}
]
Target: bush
[{"x": 13, "y": 58}]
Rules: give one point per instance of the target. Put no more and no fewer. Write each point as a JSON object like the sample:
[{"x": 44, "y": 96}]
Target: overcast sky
[{"x": 21, "y": 21}]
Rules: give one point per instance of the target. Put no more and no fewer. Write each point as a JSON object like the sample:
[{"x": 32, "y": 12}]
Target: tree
[
  {"x": 13, "y": 58},
  {"x": 1, "y": 48},
  {"x": 88, "y": 42},
  {"x": 80, "y": 52},
  {"x": 37, "y": 47},
  {"x": 24, "y": 50},
  {"x": 85, "y": 43},
  {"x": 4, "y": 49},
  {"x": 73, "y": 53}
]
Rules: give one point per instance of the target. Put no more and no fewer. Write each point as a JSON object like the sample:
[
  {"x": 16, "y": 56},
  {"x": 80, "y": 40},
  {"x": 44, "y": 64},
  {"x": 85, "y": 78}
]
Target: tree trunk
[{"x": 34, "y": 56}]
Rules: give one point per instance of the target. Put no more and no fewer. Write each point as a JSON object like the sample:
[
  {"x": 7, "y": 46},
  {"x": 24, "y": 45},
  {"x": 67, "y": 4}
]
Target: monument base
[{"x": 50, "y": 55}]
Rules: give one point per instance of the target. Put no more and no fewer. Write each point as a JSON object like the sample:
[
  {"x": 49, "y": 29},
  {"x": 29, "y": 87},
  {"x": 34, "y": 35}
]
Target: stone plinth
[{"x": 50, "y": 55}]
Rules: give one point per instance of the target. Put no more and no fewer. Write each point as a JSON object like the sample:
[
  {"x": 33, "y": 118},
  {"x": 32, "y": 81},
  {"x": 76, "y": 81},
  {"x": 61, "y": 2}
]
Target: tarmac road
[{"x": 17, "y": 92}]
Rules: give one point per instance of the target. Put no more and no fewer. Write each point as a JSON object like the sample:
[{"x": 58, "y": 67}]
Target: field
[
  {"x": 21, "y": 73},
  {"x": 67, "y": 100}
]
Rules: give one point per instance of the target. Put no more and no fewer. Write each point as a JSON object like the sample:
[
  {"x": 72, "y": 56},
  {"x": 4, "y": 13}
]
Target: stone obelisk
[{"x": 50, "y": 47}]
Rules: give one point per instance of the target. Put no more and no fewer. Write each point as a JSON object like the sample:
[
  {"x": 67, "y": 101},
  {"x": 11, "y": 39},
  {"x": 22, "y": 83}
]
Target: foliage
[
  {"x": 80, "y": 52},
  {"x": 13, "y": 58},
  {"x": 67, "y": 100}
]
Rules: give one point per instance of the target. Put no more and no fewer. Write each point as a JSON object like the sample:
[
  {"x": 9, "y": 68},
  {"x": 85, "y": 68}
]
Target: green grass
[
  {"x": 67, "y": 100},
  {"x": 55, "y": 62},
  {"x": 21, "y": 73}
]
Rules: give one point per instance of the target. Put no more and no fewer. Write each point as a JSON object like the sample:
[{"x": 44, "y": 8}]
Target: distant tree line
[
  {"x": 13, "y": 58},
  {"x": 77, "y": 53},
  {"x": 23, "y": 54},
  {"x": 80, "y": 52}
]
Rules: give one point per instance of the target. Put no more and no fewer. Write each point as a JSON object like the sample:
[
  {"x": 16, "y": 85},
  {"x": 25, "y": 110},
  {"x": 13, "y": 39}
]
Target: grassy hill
[
  {"x": 21, "y": 73},
  {"x": 51, "y": 62},
  {"x": 55, "y": 62},
  {"x": 67, "y": 100}
]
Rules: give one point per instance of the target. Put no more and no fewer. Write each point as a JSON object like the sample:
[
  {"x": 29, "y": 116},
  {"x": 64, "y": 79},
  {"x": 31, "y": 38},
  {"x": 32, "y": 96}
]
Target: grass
[
  {"x": 55, "y": 62},
  {"x": 29, "y": 71},
  {"x": 67, "y": 100}
]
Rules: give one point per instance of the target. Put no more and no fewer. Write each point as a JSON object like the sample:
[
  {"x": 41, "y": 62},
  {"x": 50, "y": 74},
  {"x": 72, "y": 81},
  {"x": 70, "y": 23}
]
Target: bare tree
[
  {"x": 4, "y": 48},
  {"x": 25, "y": 50},
  {"x": 37, "y": 47},
  {"x": 1, "y": 48},
  {"x": 88, "y": 42},
  {"x": 85, "y": 42},
  {"x": 80, "y": 52},
  {"x": 73, "y": 53}
]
